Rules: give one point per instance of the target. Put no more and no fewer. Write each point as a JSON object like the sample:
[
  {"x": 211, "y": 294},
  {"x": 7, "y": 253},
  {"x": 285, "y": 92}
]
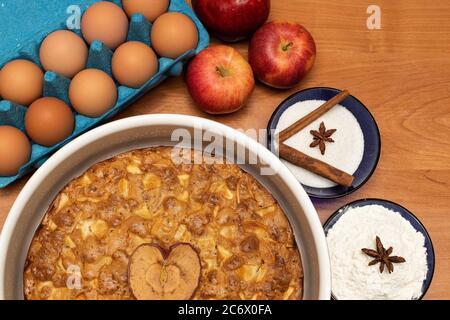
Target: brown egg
[
  {"x": 173, "y": 34},
  {"x": 21, "y": 81},
  {"x": 106, "y": 22},
  {"x": 134, "y": 63},
  {"x": 151, "y": 9},
  {"x": 15, "y": 150},
  {"x": 92, "y": 92},
  {"x": 49, "y": 121},
  {"x": 63, "y": 52}
]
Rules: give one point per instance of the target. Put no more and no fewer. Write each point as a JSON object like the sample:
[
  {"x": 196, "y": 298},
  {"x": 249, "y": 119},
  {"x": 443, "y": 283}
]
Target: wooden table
[{"x": 401, "y": 72}]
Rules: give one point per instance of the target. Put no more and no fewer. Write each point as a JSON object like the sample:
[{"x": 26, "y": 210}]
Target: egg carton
[{"x": 26, "y": 23}]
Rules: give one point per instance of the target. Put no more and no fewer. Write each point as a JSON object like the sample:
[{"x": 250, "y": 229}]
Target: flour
[
  {"x": 345, "y": 153},
  {"x": 352, "y": 278}
]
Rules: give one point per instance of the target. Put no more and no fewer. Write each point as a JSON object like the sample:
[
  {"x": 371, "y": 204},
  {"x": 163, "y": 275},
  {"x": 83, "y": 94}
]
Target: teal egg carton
[{"x": 26, "y": 23}]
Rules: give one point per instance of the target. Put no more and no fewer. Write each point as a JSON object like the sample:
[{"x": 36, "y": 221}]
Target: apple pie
[{"x": 142, "y": 226}]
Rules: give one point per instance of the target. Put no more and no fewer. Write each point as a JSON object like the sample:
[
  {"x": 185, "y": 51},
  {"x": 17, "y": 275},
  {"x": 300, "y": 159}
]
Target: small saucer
[
  {"x": 406, "y": 214},
  {"x": 372, "y": 139}
]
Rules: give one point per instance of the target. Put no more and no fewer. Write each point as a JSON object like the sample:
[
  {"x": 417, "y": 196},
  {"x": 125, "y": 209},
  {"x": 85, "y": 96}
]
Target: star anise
[
  {"x": 321, "y": 136},
  {"x": 383, "y": 257}
]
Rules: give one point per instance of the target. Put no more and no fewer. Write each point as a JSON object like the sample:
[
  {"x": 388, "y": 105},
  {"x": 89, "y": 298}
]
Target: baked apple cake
[{"x": 140, "y": 226}]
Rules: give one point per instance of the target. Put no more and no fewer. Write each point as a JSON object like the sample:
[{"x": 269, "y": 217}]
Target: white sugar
[
  {"x": 352, "y": 278},
  {"x": 345, "y": 153}
]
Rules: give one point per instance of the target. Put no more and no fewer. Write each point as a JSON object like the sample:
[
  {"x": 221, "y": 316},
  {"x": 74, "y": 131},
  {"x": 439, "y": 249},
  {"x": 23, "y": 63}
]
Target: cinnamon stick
[
  {"x": 311, "y": 117},
  {"x": 314, "y": 165}
]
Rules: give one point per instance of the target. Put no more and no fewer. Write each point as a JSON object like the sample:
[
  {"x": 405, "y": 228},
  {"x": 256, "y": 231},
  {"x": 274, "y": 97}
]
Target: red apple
[
  {"x": 220, "y": 80},
  {"x": 281, "y": 54},
  {"x": 232, "y": 20}
]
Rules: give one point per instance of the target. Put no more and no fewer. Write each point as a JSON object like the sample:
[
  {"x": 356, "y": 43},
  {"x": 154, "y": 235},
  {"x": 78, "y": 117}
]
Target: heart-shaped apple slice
[{"x": 158, "y": 274}]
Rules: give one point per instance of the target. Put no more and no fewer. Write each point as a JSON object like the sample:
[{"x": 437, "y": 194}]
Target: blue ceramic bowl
[
  {"x": 405, "y": 213},
  {"x": 372, "y": 139}
]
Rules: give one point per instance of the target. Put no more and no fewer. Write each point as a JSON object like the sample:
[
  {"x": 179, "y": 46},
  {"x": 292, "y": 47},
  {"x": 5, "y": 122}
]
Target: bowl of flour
[{"x": 356, "y": 226}]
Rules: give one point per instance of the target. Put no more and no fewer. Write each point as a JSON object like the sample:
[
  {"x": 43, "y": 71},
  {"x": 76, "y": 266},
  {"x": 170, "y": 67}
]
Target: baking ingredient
[
  {"x": 346, "y": 153},
  {"x": 313, "y": 165},
  {"x": 357, "y": 228},
  {"x": 106, "y": 22},
  {"x": 282, "y": 53},
  {"x": 173, "y": 34},
  {"x": 21, "y": 82},
  {"x": 383, "y": 256},
  {"x": 92, "y": 92},
  {"x": 134, "y": 63},
  {"x": 151, "y": 9},
  {"x": 321, "y": 137},
  {"x": 15, "y": 150},
  {"x": 48, "y": 121},
  {"x": 306, "y": 120},
  {"x": 220, "y": 80},
  {"x": 155, "y": 274},
  {"x": 63, "y": 52},
  {"x": 232, "y": 20}
]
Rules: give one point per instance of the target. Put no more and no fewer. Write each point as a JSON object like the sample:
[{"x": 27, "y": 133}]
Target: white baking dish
[{"x": 146, "y": 131}]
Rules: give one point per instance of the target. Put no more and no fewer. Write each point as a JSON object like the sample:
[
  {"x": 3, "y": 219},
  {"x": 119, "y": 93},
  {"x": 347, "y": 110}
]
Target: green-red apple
[
  {"x": 220, "y": 80},
  {"x": 281, "y": 54}
]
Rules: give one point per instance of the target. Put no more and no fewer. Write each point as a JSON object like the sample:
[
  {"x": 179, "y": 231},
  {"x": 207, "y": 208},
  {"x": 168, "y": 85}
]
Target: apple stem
[
  {"x": 222, "y": 71},
  {"x": 286, "y": 47}
]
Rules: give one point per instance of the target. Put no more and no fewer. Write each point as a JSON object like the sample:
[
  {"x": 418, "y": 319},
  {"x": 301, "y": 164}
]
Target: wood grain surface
[{"x": 401, "y": 72}]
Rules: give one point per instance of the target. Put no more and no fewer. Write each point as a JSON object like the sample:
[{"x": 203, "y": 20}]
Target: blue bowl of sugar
[{"x": 357, "y": 143}]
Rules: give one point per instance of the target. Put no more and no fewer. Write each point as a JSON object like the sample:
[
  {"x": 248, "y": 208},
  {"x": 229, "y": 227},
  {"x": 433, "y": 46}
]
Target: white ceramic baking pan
[{"x": 155, "y": 130}]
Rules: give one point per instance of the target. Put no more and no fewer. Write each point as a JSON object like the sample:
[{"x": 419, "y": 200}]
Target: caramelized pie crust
[{"x": 243, "y": 238}]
